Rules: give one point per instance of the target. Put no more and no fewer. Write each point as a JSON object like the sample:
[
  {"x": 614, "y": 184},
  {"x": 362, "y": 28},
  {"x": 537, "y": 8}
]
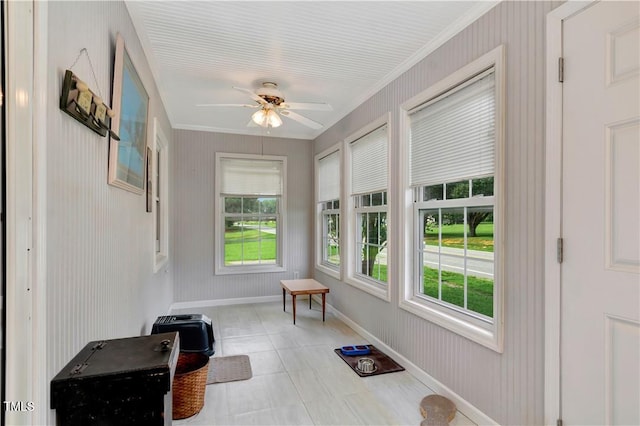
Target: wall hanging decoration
[
  {"x": 127, "y": 155},
  {"x": 83, "y": 104}
]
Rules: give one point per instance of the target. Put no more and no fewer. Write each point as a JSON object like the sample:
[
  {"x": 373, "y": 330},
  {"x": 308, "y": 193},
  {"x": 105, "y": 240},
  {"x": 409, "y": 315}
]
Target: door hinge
[
  {"x": 560, "y": 250},
  {"x": 559, "y": 422},
  {"x": 561, "y": 69}
]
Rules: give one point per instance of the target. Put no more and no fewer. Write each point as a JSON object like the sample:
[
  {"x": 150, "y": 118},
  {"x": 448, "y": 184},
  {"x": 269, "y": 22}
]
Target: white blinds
[
  {"x": 369, "y": 171},
  {"x": 329, "y": 177},
  {"x": 242, "y": 176},
  {"x": 452, "y": 137}
]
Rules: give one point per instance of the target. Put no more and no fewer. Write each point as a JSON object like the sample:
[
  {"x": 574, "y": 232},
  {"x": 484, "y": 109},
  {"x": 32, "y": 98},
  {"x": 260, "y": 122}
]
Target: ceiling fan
[{"x": 271, "y": 104}]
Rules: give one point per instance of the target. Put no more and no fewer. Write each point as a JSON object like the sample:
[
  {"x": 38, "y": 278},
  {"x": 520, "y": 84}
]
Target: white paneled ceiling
[{"x": 334, "y": 52}]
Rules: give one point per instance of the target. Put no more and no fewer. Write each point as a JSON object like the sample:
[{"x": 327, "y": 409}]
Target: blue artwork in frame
[{"x": 131, "y": 103}]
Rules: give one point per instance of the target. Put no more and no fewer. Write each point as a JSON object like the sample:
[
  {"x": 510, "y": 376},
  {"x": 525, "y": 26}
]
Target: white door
[{"x": 600, "y": 278}]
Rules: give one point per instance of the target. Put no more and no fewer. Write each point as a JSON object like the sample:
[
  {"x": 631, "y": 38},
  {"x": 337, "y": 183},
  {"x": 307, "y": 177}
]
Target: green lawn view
[
  {"x": 479, "y": 290},
  {"x": 248, "y": 245},
  {"x": 453, "y": 236}
]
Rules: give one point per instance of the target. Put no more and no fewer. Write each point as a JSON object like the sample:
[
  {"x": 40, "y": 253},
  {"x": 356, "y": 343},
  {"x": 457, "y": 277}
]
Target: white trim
[
  {"x": 348, "y": 257},
  {"x": 492, "y": 338},
  {"x": 320, "y": 266},
  {"x": 160, "y": 144},
  {"x": 281, "y": 256},
  {"x": 462, "y": 405},
  {"x": 553, "y": 209},
  {"x": 223, "y": 302},
  {"x": 22, "y": 332},
  {"x": 40, "y": 127}
]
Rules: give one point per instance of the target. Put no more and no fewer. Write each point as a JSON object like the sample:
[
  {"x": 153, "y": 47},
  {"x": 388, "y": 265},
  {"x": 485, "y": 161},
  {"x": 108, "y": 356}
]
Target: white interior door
[{"x": 600, "y": 296}]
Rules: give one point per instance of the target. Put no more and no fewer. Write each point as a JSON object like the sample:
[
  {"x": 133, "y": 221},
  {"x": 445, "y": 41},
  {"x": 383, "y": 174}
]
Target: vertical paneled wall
[
  {"x": 508, "y": 387},
  {"x": 192, "y": 215},
  {"x": 100, "y": 240}
]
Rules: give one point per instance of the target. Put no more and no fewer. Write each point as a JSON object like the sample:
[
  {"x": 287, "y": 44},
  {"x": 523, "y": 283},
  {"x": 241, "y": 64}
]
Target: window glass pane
[
  {"x": 452, "y": 256},
  {"x": 366, "y": 200},
  {"x": 268, "y": 205},
  {"x": 371, "y": 245},
  {"x": 250, "y": 241},
  {"x": 376, "y": 199},
  {"x": 458, "y": 257},
  {"x": 268, "y": 238},
  {"x": 483, "y": 186},
  {"x": 336, "y": 204},
  {"x": 433, "y": 192},
  {"x": 250, "y": 205},
  {"x": 233, "y": 205},
  {"x": 430, "y": 222},
  {"x": 233, "y": 240},
  {"x": 458, "y": 190},
  {"x": 331, "y": 243},
  {"x": 480, "y": 260}
]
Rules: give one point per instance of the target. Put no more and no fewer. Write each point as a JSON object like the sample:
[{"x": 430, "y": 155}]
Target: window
[
  {"x": 250, "y": 215},
  {"x": 160, "y": 168},
  {"x": 367, "y": 154},
  {"x": 454, "y": 143},
  {"x": 328, "y": 207}
]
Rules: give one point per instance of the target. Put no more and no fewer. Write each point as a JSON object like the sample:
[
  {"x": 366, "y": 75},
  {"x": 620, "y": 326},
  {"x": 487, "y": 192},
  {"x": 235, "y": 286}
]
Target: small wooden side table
[{"x": 304, "y": 286}]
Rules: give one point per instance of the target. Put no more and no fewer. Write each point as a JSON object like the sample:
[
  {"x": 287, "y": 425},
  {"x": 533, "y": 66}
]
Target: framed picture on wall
[{"x": 130, "y": 101}]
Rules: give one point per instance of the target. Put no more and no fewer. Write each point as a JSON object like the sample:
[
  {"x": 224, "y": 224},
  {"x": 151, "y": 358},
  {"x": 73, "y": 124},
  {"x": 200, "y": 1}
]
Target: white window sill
[
  {"x": 489, "y": 338},
  {"x": 332, "y": 272},
  {"x": 371, "y": 288},
  {"x": 249, "y": 269}
]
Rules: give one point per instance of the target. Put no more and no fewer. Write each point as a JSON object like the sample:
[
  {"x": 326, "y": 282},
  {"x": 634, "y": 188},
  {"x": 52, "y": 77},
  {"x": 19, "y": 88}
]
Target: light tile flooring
[{"x": 297, "y": 378}]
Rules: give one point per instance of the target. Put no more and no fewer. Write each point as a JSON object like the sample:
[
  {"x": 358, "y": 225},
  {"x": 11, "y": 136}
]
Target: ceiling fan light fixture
[{"x": 266, "y": 118}]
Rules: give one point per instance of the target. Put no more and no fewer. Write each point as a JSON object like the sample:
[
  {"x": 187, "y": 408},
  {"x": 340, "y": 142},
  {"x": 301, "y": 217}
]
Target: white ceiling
[{"x": 335, "y": 52}]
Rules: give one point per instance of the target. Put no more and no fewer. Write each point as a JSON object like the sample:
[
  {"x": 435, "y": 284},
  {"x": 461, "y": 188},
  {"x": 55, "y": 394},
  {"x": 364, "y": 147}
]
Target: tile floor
[{"x": 297, "y": 378}]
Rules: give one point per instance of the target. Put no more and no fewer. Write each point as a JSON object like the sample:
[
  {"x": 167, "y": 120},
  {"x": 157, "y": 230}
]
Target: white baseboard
[
  {"x": 463, "y": 406},
  {"x": 223, "y": 302}
]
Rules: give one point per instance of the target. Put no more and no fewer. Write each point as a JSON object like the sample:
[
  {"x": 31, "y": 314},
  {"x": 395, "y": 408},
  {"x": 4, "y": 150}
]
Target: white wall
[
  {"x": 508, "y": 387},
  {"x": 99, "y": 256},
  {"x": 192, "y": 215}
]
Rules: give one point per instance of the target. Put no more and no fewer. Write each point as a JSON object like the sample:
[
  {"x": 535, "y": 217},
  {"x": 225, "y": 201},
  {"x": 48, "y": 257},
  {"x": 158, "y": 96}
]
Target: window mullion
[{"x": 464, "y": 261}]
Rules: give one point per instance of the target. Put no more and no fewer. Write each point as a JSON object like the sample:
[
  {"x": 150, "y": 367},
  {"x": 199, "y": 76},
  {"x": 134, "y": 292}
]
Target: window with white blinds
[
  {"x": 250, "y": 176},
  {"x": 454, "y": 153},
  {"x": 250, "y": 217},
  {"x": 329, "y": 177},
  {"x": 452, "y": 136},
  {"x": 369, "y": 169}
]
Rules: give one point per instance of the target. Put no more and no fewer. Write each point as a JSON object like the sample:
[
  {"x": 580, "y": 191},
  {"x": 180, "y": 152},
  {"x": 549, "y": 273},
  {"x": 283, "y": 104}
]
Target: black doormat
[{"x": 383, "y": 363}]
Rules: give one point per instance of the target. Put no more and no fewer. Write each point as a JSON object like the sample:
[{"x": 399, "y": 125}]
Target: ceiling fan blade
[
  {"x": 301, "y": 119},
  {"x": 252, "y": 94},
  {"x": 228, "y": 105},
  {"x": 307, "y": 106}
]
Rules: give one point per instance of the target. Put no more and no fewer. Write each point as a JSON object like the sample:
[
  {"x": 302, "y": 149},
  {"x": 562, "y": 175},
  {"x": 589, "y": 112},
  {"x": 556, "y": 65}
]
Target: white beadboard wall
[
  {"x": 100, "y": 240},
  {"x": 192, "y": 215},
  {"x": 507, "y": 387}
]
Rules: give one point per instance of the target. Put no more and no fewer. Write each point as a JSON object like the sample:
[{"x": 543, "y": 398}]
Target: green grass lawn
[
  {"x": 249, "y": 245},
  {"x": 479, "y": 290},
  {"x": 453, "y": 236}
]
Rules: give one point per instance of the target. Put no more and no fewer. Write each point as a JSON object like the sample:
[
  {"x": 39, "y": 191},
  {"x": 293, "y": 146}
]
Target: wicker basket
[{"x": 189, "y": 384}]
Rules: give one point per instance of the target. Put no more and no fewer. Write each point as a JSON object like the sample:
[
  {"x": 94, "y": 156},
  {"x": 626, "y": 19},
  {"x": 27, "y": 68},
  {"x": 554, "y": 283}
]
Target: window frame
[
  {"x": 463, "y": 324},
  {"x": 352, "y": 276},
  {"x": 160, "y": 196},
  {"x": 219, "y": 217},
  {"x": 334, "y": 271}
]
